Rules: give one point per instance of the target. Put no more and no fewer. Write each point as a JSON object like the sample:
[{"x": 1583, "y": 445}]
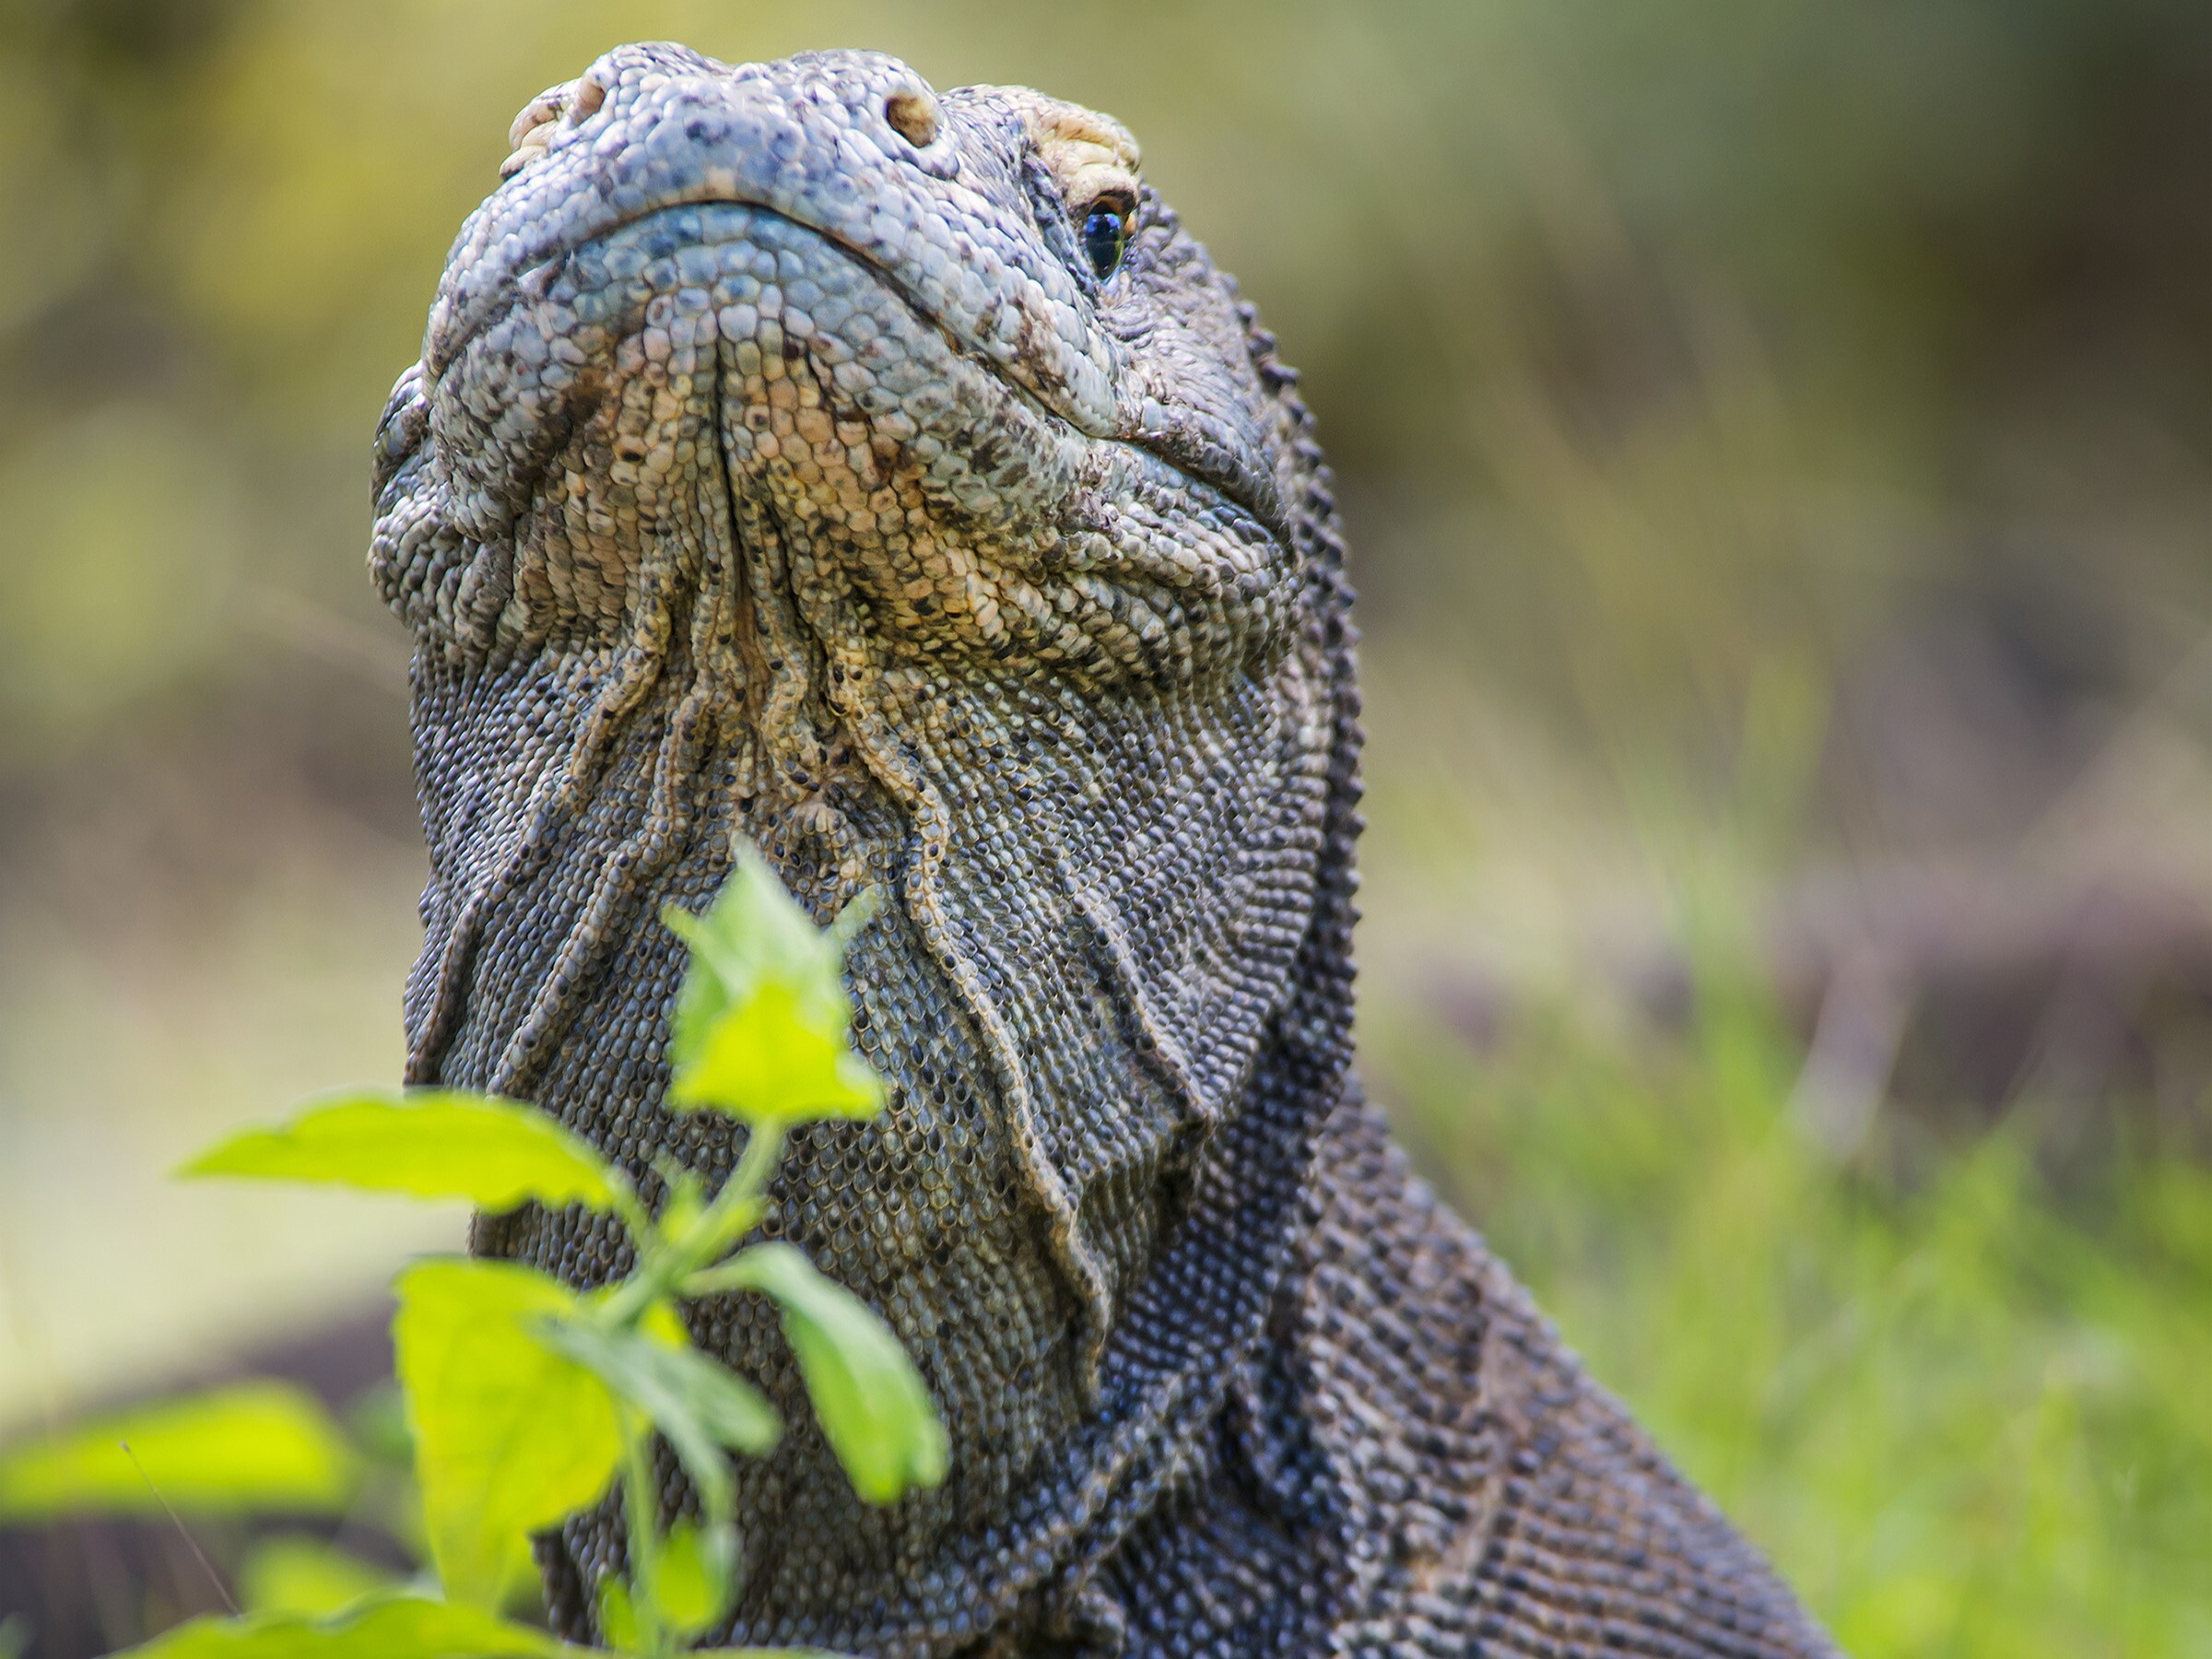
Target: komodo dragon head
[{"x": 882, "y": 477}]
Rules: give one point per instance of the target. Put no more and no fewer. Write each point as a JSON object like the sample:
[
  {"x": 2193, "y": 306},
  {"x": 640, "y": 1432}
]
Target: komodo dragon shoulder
[{"x": 885, "y": 478}]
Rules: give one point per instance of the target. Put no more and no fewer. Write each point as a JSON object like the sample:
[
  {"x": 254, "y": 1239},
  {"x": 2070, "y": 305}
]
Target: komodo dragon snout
[{"x": 885, "y": 477}]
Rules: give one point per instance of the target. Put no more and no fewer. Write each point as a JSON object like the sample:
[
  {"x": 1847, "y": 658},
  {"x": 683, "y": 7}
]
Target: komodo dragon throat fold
[{"x": 803, "y": 457}]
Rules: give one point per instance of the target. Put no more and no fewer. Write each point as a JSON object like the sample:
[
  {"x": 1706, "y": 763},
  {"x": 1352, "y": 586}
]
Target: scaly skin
[{"x": 778, "y": 466}]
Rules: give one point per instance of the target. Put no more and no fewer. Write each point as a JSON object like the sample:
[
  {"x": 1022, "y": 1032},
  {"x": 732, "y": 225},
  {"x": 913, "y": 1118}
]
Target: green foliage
[
  {"x": 808, "y": 1074},
  {"x": 759, "y": 1026},
  {"x": 292, "y": 1574},
  {"x": 260, "y": 1446},
  {"x": 870, "y": 1399},
  {"x": 524, "y": 1400},
  {"x": 431, "y": 1144},
  {"x": 690, "y": 1576},
  {"x": 702, "y": 1408},
  {"x": 509, "y": 1435},
  {"x": 400, "y": 1626},
  {"x": 1966, "y": 1414}
]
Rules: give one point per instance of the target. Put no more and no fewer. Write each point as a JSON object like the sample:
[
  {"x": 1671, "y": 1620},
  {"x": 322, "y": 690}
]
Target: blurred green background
[{"x": 1777, "y": 443}]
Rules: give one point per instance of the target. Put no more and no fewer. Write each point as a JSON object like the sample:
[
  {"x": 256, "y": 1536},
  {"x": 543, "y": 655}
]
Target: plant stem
[
  {"x": 665, "y": 1263},
  {"x": 764, "y": 1149},
  {"x": 639, "y": 1506},
  {"x": 631, "y": 1212}
]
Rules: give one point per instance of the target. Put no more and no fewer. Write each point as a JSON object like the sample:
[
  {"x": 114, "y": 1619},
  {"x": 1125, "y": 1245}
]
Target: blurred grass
[
  {"x": 1964, "y": 1418},
  {"x": 1947, "y": 1368},
  {"x": 1776, "y": 441}
]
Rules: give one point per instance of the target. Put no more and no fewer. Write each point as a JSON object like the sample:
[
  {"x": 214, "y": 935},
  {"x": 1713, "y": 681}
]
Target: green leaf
[
  {"x": 753, "y": 934},
  {"x": 257, "y": 1446},
  {"x": 510, "y": 1436},
  {"x": 399, "y": 1627},
  {"x": 692, "y": 1576},
  {"x": 685, "y": 1202},
  {"x": 761, "y": 1025},
  {"x": 700, "y": 1406},
  {"x": 617, "y": 1614},
  {"x": 764, "y": 1060},
  {"x": 433, "y": 1143},
  {"x": 293, "y": 1574},
  {"x": 377, "y": 1418},
  {"x": 871, "y": 1401}
]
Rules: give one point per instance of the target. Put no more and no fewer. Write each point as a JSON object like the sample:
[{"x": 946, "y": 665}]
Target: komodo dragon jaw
[{"x": 801, "y": 457}]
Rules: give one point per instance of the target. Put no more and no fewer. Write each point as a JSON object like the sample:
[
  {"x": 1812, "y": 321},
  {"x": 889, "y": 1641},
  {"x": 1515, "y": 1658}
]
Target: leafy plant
[
  {"x": 527, "y": 1400},
  {"x": 260, "y": 1447}
]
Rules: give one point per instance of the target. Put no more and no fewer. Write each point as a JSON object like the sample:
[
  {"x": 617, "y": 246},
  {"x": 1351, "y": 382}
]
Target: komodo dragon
[{"x": 887, "y": 478}]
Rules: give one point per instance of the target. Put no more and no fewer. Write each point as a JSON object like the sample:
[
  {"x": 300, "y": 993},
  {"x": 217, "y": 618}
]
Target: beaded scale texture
[{"x": 885, "y": 478}]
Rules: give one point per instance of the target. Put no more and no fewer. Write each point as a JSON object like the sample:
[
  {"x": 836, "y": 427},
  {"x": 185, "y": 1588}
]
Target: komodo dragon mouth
[{"x": 802, "y": 457}]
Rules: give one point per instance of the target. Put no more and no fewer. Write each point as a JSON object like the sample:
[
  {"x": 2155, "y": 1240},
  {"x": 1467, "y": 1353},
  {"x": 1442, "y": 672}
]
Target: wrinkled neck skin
[{"x": 779, "y": 468}]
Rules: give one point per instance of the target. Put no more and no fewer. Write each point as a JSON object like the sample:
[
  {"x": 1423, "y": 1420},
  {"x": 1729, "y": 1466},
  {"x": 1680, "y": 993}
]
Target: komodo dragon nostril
[{"x": 912, "y": 114}]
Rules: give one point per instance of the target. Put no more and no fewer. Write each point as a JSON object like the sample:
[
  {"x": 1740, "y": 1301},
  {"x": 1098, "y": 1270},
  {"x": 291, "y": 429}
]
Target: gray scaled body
[{"x": 887, "y": 478}]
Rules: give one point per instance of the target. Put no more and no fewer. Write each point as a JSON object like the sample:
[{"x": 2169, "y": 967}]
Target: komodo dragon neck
[{"x": 887, "y": 478}]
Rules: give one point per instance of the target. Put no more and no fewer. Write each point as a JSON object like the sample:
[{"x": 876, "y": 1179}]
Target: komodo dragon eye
[{"x": 1106, "y": 236}]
